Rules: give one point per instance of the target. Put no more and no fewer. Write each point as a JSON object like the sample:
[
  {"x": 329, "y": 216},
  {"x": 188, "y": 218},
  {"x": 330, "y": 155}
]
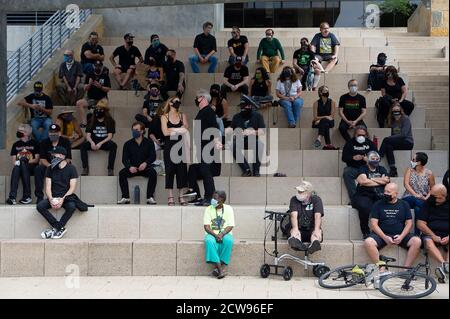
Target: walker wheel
[
  {"x": 264, "y": 271},
  {"x": 287, "y": 273},
  {"x": 319, "y": 270}
]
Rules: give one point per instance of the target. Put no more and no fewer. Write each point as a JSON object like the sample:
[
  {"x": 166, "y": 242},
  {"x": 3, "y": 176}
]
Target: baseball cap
[
  {"x": 54, "y": 128},
  {"x": 38, "y": 85},
  {"x": 128, "y": 36},
  {"x": 59, "y": 150},
  {"x": 154, "y": 36},
  {"x": 304, "y": 187}
]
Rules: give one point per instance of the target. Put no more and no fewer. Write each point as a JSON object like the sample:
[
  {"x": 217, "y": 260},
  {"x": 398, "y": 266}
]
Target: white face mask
[
  {"x": 360, "y": 139},
  {"x": 413, "y": 164},
  {"x": 353, "y": 89},
  {"x": 301, "y": 198}
]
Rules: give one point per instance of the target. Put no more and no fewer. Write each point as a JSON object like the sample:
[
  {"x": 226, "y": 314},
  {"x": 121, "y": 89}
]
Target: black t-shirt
[
  {"x": 235, "y": 76},
  {"x": 207, "y": 118},
  {"x": 44, "y": 101},
  {"x": 394, "y": 91},
  {"x": 303, "y": 57},
  {"x": 27, "y": 149},
  {"x": 127, "y": 57},
  {"x": 102, "y": 78},
  {"x": 305, "y": 213},
  {"x": 436, "y": 218},
  {"x": 46, "y": 147},
  {"x": 158, "y": 53},
  {"x": 352, "y": 105},
  {"x": 100, "y": 130},
  {"x": 61, "y": 179},
  {"x": 238, "y": 45},
  {"x": 97, "y": 49},
  {"x": 152, "y": 106},
  {"x": 352, "y": 148},
  {"x": 172, "y": 72},
  {"x": 205, "y": 43},
  {"x": 391, "y": 217},
  {"x": 255, "y": 121},
  {"x": 376, "y": 191}
]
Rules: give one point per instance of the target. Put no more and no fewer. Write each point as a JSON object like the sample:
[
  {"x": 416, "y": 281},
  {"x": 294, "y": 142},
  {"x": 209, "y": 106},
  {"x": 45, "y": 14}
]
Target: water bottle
[
  {"x": 375, "y": 141},
  {"x": 137, "y": 195}
]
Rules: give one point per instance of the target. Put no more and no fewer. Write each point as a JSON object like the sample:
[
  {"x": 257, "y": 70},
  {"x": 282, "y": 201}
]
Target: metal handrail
[{"x": 26, "y": 61}]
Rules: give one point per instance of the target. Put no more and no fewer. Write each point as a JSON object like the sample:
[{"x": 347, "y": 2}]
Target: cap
[
  {"x": 304, "y": 187},
  {"x": 38, "y": 85},
  {"x": 59, "y": 150},
  {"x": 128, "y": 36},
  {"x": 154, "y": 36},
  {"x": 103, "y": 103},
  {"x": 67, "y": 111},
  {"x": 54, "y": 128},
  {"x": 246, "y": 100}
]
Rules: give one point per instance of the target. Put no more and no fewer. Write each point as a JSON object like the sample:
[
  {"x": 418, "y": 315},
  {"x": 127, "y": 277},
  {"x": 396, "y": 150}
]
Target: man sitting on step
[
  {"x": 326, "y": 47},
  {"x": 306, "y": 212}
]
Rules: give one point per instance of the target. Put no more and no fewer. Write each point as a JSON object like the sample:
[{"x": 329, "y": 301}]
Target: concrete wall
[
  {"x": 17, "y": 35},
  {"x": 166, "y": 21},
  {"x": 432, "y": 21}
]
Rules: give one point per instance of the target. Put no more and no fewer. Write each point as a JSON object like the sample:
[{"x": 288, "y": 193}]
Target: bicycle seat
[{"x": 387, "y": 259}]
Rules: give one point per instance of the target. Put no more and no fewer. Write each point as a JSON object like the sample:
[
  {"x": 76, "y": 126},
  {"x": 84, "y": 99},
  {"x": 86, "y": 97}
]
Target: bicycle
[{"x": 410, "y": 283}]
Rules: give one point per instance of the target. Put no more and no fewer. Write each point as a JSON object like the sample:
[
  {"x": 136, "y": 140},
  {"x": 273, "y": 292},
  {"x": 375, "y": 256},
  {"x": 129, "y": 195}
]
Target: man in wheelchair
[{"x": 306, "y": 212}]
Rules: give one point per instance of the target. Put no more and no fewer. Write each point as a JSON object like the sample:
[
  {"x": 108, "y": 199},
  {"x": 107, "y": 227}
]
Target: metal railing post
[
  {"x": 30, "y": 60},
  {"x": 18, "y": 70},
  {"x": 41, "y": 46},
  {"x": 60, "y": 28}
]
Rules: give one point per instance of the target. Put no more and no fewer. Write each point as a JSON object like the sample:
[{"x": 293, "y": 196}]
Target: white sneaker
[
  {"x": 151, "y": 201},
  {"x": 369, "y": 88},
  {"x": 59, "y": 233},
  {"x": 123, "y": 201},
  {"x": 48, "y": 233}
]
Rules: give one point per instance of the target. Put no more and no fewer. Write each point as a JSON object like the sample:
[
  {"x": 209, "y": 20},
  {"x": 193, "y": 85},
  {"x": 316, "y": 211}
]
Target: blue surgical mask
[
  {"x": 214, "y": 202},
  {"x": 136, "y": 134},
  {"x": 68, "y": 59}
]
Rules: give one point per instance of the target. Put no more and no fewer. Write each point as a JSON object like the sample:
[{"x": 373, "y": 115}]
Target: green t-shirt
[{"x": 219, "y": 219}]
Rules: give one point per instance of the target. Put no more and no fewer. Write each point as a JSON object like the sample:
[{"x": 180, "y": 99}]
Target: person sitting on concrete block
[
  {"x": 326, "y": 47},
  {"x": 60, "y": 182},
  {"x": 70, "y": 128},
  {"x": 235, "y": 78},
  {"x": 218, "y": 221},
  {"x": 303, "y": 60},
  {"x": 269, "y": 52},
  {"x": 91, "y": 52},
  {"x": 401, "y": 136},
  {"x": 154, "y": 74},
  {"x": 41, "y": 108},
  {"x": 260, "y": 88},
  {"x": 70, "y": 90},
  {"x": 289, "y": 91},
  {"x": 324, "y": 111},
  {"x": 371, "y": 181},
  {"x": 237, "y": 46},
  {"x": 205, "y": 48},
  {"x": 352, "y": 109},
  {"x": 175, "y": 76},
  {"x": 377, "y": 73},
  {"x": 152, "y": 102},
  {"x": 220, "y": 106},
  {"x": 354, "y": 155},
  {"x": 432, "y": 221},
  {"x": 25, "y": 158},
  {"x": 306, "y": 214},
  {"x": 391, "y": 223},
  {"x": 156, "y": 50}
]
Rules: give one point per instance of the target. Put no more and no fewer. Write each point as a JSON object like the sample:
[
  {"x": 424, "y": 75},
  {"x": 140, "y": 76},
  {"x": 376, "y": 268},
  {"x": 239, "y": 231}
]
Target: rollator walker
[{"x": 276, "y": 218}]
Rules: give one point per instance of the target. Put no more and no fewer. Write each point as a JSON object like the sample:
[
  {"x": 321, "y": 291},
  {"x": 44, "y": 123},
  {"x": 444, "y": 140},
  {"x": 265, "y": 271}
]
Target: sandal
[
  {"x": 170, "y": 201},
  {"x": 182, "y": 203}
]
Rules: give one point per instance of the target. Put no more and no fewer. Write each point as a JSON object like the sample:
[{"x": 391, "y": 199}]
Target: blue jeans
[
  {"x": 212, "y": 60},
  {"x": 40, "y": 122},
  {"x": 88, "y": 68},
  {"x": 292, "y": 109}
]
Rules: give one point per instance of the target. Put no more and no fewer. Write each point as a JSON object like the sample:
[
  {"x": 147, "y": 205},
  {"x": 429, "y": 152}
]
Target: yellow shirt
[{"x": 219, "y": 219}]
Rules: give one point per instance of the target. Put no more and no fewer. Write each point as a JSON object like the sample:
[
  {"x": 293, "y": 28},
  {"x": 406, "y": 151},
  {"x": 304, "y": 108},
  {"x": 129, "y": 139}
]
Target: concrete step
[{"x": 437, "y": 124}]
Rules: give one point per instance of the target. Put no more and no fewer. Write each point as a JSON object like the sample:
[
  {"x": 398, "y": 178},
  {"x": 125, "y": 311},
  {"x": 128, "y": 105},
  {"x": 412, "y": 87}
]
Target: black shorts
[
  {"x": 306, "y": 236},
  {"x": 381, "y": 243},
  {"x": 426, "y": 237},
  {"x": 326, "y": 58},
  {"x": 124, "y": 68}
]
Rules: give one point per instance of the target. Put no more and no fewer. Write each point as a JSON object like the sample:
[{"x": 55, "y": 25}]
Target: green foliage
[{"x": 397, "y": 7}]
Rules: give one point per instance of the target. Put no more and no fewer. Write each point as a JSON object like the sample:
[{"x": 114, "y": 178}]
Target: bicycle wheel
[
  {"x": 340, "y": 277},
  {"x": 407, "y": 284}
]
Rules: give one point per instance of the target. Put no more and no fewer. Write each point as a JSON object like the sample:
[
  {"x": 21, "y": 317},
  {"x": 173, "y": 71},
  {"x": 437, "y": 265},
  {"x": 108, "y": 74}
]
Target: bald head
[{"x": 440, "y": 192}]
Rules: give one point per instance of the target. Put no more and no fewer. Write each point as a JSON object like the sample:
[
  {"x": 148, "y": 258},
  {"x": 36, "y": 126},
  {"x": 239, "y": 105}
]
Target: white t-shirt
[{"x": 297, "y": 85}]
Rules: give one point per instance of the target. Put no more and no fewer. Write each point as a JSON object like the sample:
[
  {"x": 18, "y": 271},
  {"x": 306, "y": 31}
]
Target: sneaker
[
  {"x": 26, "y": 201},
  {"x": 205, "y": 202},
  {"x": 59, "y": 233},
  {"x": 314, "y": 246},
  {"x": 296, "y": 244},
  {"x": 189, "y": 193},
  {"x": 123, "y": 201},
  {"x": 48, "y": 233},
  {"x": 292, "y": 126},
  {"x": 317, "y": 144},
  {"x": 215, "y": 272},
  {"x": 195, "y": 201},
  {"x": 275, "y": 103},
  {"x": 369, "y": 88},
  {"x": 247, "y": 173},
  {"x": 393, "y": 172},
  {"x": 110, "y": 172},
  {"x": 256, "y": 174},
  {"x": 85, "y": 171},
  {"x": 151, "y": 201},
  {"x": 11, "y": 201},
  {"x": 445, "y": 266}
]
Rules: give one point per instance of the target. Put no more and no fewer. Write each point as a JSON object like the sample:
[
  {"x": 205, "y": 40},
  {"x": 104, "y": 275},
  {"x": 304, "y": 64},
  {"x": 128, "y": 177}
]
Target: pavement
[{"x": 178, "y": 287}]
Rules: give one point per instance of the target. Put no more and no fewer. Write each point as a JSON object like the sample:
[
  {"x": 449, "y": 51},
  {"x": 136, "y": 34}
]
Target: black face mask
[
  {"x": 98, "y": 70},
  {"x": 431, "y": 200},
  {"x": 286, "y": 74},
  {"x": 326, "y": 94},
  {"x": 176, "y": 105},
  {"x": 381, "y": 61},
  {"x": 152, "y": 63},
  {"x": 387, "y": 198},
  {"x": 170, "y": 59},
  {"x": 130, "y": 43},
  {"x": 20, "y": 134},
  {"x": 99, "y": 114},
  {"x": 214, "y": 93},
  {"x": 246, "y": 112}
]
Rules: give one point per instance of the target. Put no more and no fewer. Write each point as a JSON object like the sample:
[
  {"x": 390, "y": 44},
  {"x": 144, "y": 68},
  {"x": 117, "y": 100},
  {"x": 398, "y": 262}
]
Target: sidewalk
[{"x": 183, "y": 288}]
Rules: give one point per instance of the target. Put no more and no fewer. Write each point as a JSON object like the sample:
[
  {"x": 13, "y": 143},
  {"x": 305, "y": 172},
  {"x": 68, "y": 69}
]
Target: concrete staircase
[{"x": 161, "y": 240}]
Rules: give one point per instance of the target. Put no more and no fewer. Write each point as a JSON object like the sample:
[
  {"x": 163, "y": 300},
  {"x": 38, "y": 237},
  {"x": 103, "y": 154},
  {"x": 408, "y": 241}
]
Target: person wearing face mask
[
  {"x": 376, "y": 73},
  {"x": 433, "y": 222},
  {"x": 306, "y": 213},
  {"x": 220, "y": 105},
  {"x": 127, "y": 53},
  {"x": 151, "y": 104},
  {"x": 391, "y": 222},
  {"x": 60, "y": 183},
  {"x": 324, "y": 111},
  {"x": 371, "y": 180},
  {"x": 246, "y": 127},
  {"x": 41, "y": 108},
  {"x": 235, "y": 78},
  {"x": 25, "y": 157},
  {"x": 218, "y": 223},
  {"x": 46, "y": 147},
  {"x": 354, "y": 155},
  {"x": 205, "y": 48},
  {"x": 155, "y": 74},
  {"x": 175, "y": 75},
  {"x": 156, "y": 50},
  {"x": 91, "y": 52},
  {"x": 289, "y": 91},
  {"x": 97, "y": 85},
  {"x": 237, "y": 46},
  {"x": 418, "y": 181},
  {"x": 270, "y": 52},
  {"x": 175, "y": 126},
  {"x": 393, "y": 89},
  {"x": 352, "y": 109},
  {"x": 70, "y": 128},
  {"x": 303, "y": 61},
  {"x": 401, "y": 137},
  {"x": 260, "y": 88},
  {"x": 326, "y": 47},
  {"x": 70, "y": 88},
  {"x": 99, "y": 134},
  {"x": 138, "y": 156}
]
